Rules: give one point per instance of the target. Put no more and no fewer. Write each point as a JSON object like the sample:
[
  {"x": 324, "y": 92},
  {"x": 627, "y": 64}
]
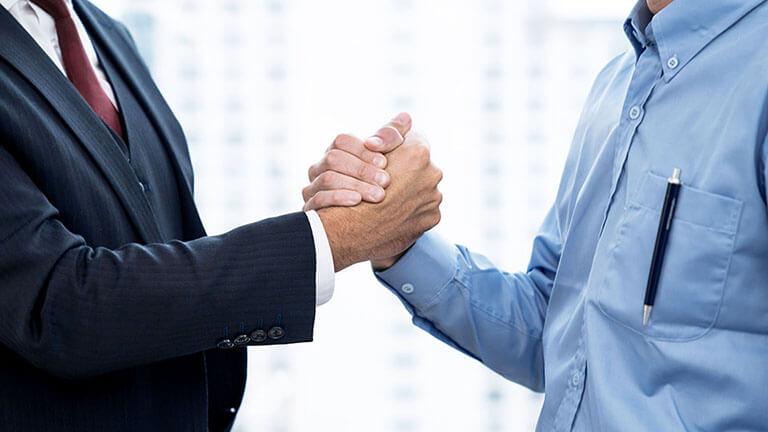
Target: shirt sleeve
[
  {"x": 461, "y": 298},
  {"x": 324, "y": 273}
]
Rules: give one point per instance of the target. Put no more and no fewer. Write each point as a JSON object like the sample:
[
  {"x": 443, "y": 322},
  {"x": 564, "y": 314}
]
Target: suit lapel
[
  {"x": 23, "y": 53},
  {"x": 117, "y": 45}
]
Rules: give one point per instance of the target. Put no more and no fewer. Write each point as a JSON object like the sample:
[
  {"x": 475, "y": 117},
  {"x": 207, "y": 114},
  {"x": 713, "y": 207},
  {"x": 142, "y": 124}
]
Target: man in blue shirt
[{"x": 690, "y": 94}]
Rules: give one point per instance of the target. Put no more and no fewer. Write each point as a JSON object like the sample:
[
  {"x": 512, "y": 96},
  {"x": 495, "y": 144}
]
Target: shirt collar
[
  {"x": 635, "y": 25},
  {"x": 683, "y": 28},
  {"x": 7, "y": 4}
]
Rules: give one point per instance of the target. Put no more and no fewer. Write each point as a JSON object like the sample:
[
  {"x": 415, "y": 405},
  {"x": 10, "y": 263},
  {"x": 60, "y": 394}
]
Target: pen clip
[{"x": 675, "y": 179}]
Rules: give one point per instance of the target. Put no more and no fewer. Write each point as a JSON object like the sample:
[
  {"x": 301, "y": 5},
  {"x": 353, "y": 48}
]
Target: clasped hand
[{"x": 377, "y": 196}]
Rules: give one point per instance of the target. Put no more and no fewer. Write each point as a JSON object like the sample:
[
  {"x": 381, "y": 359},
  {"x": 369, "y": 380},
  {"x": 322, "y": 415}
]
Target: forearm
[
  {"x": 83, "y": 311},
  {"x": 460, "y": 298}
]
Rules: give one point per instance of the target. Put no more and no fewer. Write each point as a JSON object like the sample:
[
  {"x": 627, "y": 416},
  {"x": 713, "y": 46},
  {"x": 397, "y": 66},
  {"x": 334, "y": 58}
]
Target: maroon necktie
[{"x": 77, "y": 65}]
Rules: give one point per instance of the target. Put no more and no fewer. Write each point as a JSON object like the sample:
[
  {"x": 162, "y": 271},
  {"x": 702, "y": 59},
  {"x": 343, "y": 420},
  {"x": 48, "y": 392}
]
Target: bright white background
[{"x": 262, "y": 87}]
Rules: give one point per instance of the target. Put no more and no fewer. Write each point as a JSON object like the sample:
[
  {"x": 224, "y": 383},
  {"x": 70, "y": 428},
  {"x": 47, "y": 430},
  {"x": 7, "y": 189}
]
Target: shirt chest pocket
[{"x": 695, "y": 268}]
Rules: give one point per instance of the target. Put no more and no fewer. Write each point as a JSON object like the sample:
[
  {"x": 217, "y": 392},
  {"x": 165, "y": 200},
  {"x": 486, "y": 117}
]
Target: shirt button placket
[
  {"x": 575, "y": 379},
  {"x": 574, "y": 390}
]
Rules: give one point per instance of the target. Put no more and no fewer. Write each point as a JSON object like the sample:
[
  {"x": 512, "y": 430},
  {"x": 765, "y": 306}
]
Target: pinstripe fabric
[{"x": 111, "y": 308}]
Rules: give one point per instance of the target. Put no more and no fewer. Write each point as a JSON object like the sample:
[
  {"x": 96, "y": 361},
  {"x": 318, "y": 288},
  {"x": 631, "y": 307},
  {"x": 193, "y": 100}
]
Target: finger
[
  {"x": 390, "y": 136},
  {"x": 331, "y": 180},
  {"x": 342, "y": 140},
  {"x": 340, "y": 197},
  {"x": 345, "y": 163},
  {"x": 402, "y": 123},
  {"x": 355, "y": 146},
  {"x": 417, "y": 138}
]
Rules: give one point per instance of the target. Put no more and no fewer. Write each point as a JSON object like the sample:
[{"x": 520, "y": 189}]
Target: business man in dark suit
[{"x": 117, "y": 312}]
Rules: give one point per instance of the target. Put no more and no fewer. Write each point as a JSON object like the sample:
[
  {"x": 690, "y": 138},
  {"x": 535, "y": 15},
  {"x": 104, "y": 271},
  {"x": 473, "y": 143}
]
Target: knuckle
[
  {"x": 311, "y": 204},
  {"x": 362, "y": 172},
  {"x": 325, "y": 180},
  {"x": 340, "y": 140},
  {"x": 421, "y": 152},
  {"x": 415, "y": 138},
  {"x": 333, "y": 158},
  {"x": 435, "y": 219},
  {"x": 321, "y": 199},
  {"x": 413, "y": 151},
  {"x": 309, "y": 172},
  {"x": 437, "y": 175},
  {"x": 438, "y": 198},
  {"x": 430, "y": 221}
]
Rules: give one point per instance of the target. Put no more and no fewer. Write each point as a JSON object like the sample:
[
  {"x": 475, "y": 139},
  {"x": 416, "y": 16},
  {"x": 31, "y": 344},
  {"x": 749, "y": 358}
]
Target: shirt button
[
  {"x": 634, "y": 112},
  {"x": 258, "y": 336},
  {"x": 672, "y": 62},
  {"x": 225, "y": 344},
  {"x": 276, "y": 333},
  {"x": 575, "y": 379},
  {"x": 407, "y": 288}
]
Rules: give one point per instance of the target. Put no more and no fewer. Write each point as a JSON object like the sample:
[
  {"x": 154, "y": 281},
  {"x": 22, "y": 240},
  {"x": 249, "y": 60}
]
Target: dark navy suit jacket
[{"x": 117, "y": 312}]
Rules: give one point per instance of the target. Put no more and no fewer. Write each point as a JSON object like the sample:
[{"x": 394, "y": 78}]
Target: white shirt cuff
[{"x": 324, "y": 270}]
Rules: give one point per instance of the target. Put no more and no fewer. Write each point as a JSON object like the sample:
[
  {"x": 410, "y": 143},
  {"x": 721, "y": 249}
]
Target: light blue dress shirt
[{"x": 692, "y": 93}]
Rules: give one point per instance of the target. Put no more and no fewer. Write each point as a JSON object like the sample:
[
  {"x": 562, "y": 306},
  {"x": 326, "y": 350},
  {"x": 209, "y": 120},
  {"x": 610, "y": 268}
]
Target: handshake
[{"x": 375, "y": 197}]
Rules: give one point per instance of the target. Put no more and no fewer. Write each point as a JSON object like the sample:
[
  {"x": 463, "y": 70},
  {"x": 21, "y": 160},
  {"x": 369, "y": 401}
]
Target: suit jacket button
[
  {"x": 225, "y": 344},
  {"x": 242, "y": 339},
  {"x": 276, "y": 333},
  {"x": 258, "y": 336}
]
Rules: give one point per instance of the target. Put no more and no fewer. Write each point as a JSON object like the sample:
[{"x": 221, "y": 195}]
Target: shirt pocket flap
[{"x": 696, "y": 206}]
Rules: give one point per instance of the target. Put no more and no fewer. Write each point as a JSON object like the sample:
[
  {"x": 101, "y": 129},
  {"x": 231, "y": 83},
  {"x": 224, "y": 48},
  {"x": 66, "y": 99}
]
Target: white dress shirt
[{"x": 42, "y": 28}]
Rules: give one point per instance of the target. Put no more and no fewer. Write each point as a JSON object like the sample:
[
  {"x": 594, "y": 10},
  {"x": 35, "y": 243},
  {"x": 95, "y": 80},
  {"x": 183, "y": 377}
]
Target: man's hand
[
  {"x": 352, "y": 170},
  {"x": 383, "y": 232}
]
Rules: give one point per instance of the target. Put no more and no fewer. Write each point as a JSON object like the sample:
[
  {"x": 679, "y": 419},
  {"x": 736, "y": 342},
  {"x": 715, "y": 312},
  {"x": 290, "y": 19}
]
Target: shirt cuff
[
  {"x": 421, "y": 274},
  {"x": 324, "y": 270}
]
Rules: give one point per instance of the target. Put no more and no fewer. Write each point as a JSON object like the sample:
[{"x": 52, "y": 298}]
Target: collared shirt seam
[{"x": 479, "y": 307}]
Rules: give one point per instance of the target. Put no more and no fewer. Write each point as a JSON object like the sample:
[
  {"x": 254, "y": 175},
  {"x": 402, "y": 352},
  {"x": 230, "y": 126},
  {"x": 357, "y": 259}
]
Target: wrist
[
  {"x": 343, "y": 238},
  {"x": 382, "y": 264}
]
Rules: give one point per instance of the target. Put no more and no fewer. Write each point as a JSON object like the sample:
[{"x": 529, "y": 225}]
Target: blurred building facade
[{"x": 261, "y": 87}]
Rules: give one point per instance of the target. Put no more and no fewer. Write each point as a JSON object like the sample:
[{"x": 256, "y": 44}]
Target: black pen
[{"x": 662, "y": 235}]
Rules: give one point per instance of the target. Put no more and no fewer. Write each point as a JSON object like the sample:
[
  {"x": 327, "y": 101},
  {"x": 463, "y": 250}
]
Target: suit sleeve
[
  {"x": 75, "y": 311},
  {"x": 461, "y": 298}
]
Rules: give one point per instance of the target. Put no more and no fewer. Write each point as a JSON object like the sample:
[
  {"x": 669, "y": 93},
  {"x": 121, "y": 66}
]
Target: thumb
[{"x": 391, "y": 135}]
